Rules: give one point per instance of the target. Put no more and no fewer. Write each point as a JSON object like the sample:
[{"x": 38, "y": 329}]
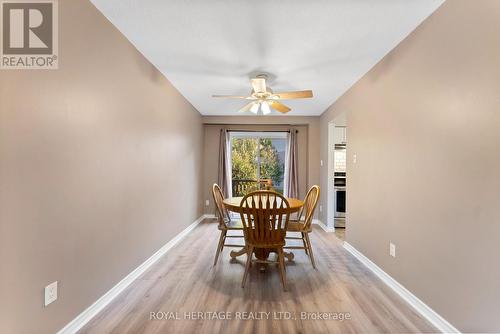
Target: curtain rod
[
  {"x": 232, "y": 130},
  {"x": 256, "y": 124}
]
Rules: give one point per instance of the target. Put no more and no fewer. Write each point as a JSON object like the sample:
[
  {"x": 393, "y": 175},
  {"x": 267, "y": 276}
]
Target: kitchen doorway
[{"x": 337, "y": 175}]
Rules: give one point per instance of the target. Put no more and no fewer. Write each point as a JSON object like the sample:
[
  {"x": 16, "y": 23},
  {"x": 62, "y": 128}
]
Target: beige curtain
[
  {"x": 291, "y": 186},
  {"x": 224, "y": 177}
]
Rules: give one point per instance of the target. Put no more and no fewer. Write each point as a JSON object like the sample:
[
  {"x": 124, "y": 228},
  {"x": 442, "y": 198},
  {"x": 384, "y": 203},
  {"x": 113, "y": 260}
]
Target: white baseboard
[
  {"x": 323, "y": 226},
  {"x": 83, "y": 318},
  {"x": 424, "y": 310}
]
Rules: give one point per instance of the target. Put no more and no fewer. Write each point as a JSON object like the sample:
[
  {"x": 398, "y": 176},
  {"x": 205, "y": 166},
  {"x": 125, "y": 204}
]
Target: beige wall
[
  {"x": 100, "y": 167},
  {"x": 308, "y": 145},
  {"x": 425, "y": 126}
]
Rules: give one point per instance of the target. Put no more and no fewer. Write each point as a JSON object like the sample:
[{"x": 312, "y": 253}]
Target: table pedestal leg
[
  {"x": 289, "y": 256},
  {"x": 261, "y": 254},
  {"x": 235, "y": 254}
]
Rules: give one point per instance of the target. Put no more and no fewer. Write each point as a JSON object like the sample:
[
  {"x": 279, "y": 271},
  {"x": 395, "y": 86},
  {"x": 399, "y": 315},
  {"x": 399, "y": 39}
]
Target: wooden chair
[
  {"x": 266, "y": 184},
  {"x": 263, "y": 184},
  {"x": 304, "y": 221},
  {"x": 265, "y": 215},
  {"x": 225, "y": 222}
]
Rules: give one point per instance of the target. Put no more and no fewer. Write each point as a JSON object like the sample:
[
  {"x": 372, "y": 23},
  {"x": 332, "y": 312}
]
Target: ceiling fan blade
[
  {"x": 247, "y": 107},
  {"x": 301, "y": 94},
  {"x": 234, "y": 97},
  {"x": 258, "y": 85},
  {"x": 279, "y": 106}
]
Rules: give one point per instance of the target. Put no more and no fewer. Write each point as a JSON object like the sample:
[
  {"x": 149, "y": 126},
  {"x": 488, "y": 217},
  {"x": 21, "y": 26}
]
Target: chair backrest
[
  {"x": 265, "y": 215},
  {"x": 310, "y": 203},
  {"x": 265, "y": 184},
  {"x": 223, "y": 215}
]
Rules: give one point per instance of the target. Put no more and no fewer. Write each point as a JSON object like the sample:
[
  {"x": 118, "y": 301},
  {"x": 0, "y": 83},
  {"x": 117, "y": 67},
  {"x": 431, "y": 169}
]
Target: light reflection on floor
[{"x": 340, "y": 233}]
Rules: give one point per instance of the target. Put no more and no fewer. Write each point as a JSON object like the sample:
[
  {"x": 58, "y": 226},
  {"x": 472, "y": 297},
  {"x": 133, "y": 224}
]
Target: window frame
[{"x": 255, "y": 135}]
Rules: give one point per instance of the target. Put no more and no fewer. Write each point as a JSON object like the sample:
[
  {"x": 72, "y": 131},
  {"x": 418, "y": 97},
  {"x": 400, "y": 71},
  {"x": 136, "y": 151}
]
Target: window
[{"x": 257, "y": 161}]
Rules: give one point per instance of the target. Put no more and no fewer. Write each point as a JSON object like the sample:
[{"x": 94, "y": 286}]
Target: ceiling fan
[{"x": 264, "y": 98}]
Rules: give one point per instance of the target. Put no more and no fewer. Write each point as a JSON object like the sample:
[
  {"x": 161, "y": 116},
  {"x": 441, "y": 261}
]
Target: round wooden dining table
[{"x": 234, "y": 204}]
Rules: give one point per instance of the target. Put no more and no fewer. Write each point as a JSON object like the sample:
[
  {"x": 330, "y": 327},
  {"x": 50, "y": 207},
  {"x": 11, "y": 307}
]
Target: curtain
[
  {"x": 291, "y": 186},
  {"x": 224, "y": 177}
]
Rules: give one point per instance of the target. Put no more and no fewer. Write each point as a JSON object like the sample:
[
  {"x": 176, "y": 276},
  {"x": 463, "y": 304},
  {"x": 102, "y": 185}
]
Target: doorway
[{"x": 337, "y": 176}]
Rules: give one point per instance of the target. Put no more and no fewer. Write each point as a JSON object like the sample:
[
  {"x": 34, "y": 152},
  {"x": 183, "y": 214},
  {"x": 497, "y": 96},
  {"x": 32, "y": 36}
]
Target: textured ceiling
[{"x": 209, "y": 47}]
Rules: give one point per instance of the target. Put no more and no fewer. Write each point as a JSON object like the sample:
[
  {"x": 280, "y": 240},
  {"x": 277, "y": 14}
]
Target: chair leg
[
  {"x": 304, "y": 242},
  {"x": 220, "y": 246},
  {"x": 247, "y": 266},
  {"x": 308, "y": 241},
  {"x": 281, "y": 260}
]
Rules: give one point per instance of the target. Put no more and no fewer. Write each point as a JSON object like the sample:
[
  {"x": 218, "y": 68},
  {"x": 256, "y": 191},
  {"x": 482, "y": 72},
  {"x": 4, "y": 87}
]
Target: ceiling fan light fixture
[
  {"x": 265, "y": 99},
  {"x": 255, "y": 108},
  {"x": 264, "y": 106}
]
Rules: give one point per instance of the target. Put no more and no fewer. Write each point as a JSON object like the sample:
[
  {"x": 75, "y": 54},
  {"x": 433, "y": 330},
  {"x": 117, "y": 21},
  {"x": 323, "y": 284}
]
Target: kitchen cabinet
[{"x": 340, "y": 135}]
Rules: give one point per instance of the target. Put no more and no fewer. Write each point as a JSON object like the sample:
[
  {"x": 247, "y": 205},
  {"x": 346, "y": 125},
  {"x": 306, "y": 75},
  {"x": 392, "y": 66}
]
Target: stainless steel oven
[
  {"x": 340, "y": 183},
  {"x": 340, "y": 202}
]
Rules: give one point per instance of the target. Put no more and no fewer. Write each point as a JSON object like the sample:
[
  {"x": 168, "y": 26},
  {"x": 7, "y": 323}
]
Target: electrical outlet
[
  {"x": 354, "y": 158},
  {"x": 207, "y": 202},
  {"x": 50, "y": 293},
  {"x": 392, "y": 249},
  {"x": 321, "y": 208},
  {"x": 321, "y": 163}
]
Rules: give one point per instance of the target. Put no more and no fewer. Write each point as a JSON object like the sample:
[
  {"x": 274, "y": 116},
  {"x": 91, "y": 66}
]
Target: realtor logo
[{"x": 29, "y": 35}]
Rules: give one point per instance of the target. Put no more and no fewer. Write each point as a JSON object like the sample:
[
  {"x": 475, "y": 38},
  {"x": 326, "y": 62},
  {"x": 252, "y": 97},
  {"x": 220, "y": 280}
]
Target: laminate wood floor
[
  {"x": 184, "y": 281},
  {"x": 340, "y": 233}
]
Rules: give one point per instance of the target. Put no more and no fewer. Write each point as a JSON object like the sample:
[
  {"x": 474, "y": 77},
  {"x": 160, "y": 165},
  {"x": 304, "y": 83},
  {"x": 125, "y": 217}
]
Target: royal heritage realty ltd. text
[{"x": 282, "y": 315}]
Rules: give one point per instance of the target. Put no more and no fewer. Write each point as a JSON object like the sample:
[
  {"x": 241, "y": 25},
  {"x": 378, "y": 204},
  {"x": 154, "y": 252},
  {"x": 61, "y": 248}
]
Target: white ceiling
[{"x": 207, "y": 47}]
